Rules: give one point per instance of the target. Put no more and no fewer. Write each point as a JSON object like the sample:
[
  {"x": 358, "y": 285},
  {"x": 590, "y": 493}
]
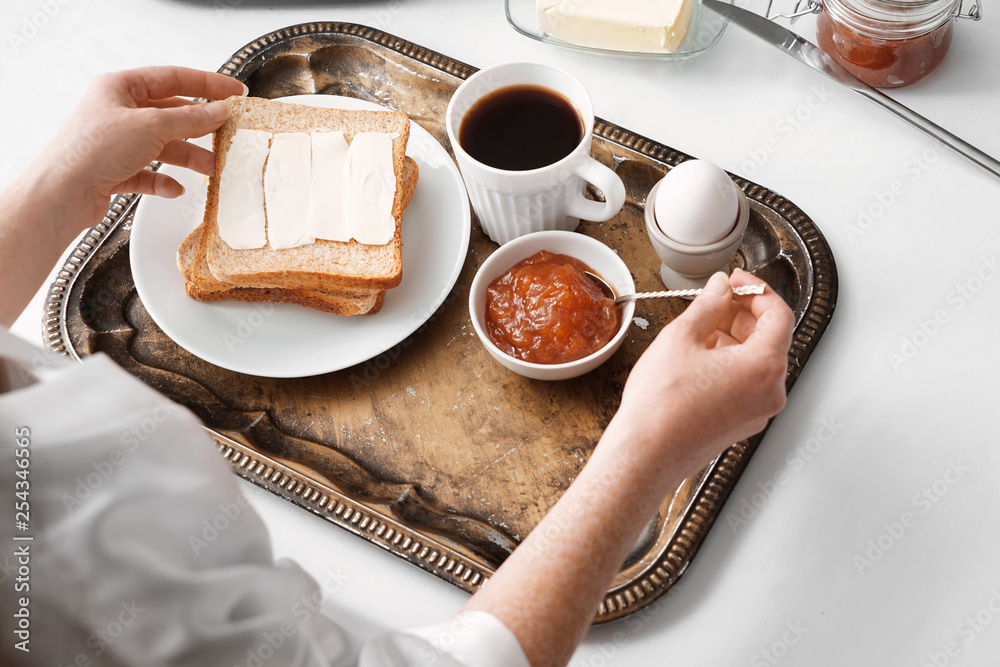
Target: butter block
[
  {"x": 241, "y": 191},
  {"x": 287, "y": 180},
  {"x": 291, "y": 188},
  {"x": 327, "y": 217},
  {"x": 646, "y": 26},
  {"x": 371, "y": 188}
]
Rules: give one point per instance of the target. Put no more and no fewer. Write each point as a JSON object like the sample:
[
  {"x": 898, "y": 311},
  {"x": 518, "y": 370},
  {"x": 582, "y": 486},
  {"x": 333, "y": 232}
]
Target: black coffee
[{"x": 521, "y": 127}]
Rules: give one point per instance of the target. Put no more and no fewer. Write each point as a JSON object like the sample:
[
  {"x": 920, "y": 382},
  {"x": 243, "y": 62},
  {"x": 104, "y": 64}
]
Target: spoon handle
[{"x": 737, "y": 291}]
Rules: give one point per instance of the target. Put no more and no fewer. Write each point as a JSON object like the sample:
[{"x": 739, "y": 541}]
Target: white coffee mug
[{"x": 510, "y": 204}]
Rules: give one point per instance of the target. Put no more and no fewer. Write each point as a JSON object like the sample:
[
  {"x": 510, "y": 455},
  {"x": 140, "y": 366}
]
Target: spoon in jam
[{"x": 684, "y": 293}]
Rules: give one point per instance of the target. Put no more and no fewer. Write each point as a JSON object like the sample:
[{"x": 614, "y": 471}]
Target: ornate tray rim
[{"x": 424, "y": 550}]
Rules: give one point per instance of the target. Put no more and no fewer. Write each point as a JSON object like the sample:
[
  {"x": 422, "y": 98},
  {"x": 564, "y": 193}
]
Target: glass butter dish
[{"x": 703, "y": 31}]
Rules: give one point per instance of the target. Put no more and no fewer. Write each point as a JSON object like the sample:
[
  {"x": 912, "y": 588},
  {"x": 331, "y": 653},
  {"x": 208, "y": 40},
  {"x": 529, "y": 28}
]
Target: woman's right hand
[{"x": 713, "y": 376}]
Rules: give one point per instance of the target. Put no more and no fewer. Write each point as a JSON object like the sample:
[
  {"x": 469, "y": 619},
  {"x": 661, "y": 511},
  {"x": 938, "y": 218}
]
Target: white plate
[{"x": 285, "y": 340}]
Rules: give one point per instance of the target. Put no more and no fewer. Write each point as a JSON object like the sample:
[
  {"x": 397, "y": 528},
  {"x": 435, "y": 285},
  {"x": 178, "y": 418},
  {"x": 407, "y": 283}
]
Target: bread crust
[
  {"x": 323, "y": 265},
  {"x": 202, "y": 286},
  {"x": 341, "y": 294}
]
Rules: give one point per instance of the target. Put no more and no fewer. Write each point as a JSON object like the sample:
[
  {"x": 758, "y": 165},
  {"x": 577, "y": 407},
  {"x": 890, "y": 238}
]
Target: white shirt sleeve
[
  {"x": 143, "y": 551},
  {"x": 470, "y": 639}
]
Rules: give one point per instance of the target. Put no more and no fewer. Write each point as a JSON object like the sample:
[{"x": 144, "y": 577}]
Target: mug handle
[{"x": 610, "y": 185}]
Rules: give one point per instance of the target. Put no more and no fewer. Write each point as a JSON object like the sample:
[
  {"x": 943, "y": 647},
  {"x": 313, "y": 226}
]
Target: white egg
[{"x": 696, "y": 203}]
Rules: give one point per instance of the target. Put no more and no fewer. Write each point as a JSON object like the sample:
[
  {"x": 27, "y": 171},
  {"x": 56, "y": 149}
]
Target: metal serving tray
[{"x": 432, "y": 450}]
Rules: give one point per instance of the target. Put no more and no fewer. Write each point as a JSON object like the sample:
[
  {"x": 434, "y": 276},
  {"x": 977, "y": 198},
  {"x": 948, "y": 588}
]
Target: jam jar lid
[{"x": 892, "y": 19}]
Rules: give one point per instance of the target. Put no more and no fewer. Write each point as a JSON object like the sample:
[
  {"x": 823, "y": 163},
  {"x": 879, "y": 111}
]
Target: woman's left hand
[{"x": 131, "y": 118}]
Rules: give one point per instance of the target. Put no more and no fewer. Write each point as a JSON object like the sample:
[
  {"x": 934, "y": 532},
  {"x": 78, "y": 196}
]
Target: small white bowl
[{"x": 603, "y": 260}]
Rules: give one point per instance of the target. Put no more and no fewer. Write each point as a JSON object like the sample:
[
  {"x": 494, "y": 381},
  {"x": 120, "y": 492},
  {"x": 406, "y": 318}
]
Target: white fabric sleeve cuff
[
  {"x": 470, "y": 639},
  {"x": 475, "y": 639}
]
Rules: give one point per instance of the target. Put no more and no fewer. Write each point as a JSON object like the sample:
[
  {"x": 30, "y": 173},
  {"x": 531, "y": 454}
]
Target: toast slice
[
  {"x": 202, "y": 285},
  {"x": 323, "y": 265}
]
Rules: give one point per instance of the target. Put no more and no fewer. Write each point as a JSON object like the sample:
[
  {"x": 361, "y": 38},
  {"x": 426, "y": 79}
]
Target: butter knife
[{"x": 808, "y": 53}]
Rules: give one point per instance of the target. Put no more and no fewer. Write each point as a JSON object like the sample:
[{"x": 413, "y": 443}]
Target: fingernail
[
  {"x": 217, "y": 111},
  {"x": 718, "y": 284},
  {"x": 246, "y": 89}
]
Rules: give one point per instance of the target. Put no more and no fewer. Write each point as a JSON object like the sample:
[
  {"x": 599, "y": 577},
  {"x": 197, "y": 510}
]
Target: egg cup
[{"x": 689, "y": 266}]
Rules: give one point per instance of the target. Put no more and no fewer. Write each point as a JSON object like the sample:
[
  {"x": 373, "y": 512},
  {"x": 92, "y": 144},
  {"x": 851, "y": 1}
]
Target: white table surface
[{"x": 859, "y": 458}]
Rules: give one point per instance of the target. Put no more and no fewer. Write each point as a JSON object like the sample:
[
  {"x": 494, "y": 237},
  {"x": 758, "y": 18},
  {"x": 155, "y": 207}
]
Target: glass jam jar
[{"x": 887, "y": 43}]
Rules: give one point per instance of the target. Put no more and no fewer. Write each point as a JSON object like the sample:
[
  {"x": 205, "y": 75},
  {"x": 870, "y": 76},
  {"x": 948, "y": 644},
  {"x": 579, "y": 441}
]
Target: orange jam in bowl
[{"x": 544, "y": 310}]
